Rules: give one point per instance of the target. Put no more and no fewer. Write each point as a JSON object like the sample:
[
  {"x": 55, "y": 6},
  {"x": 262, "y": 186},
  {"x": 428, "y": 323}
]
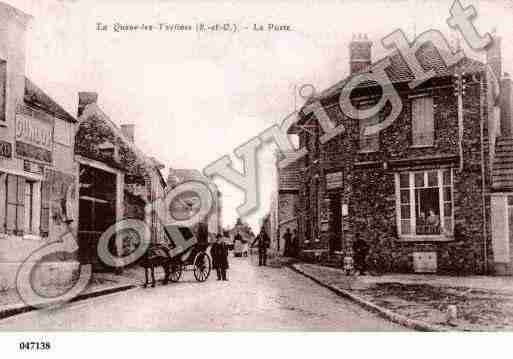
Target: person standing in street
[
  {"x": 237, "y": 237},
  {"x": 263, "y": 244},
  {"x": 287, "y": 239},
  {"x": 360, "y": 250},
  {"x": 295, "y": 244},
  {"x": 219, "y": 254}
]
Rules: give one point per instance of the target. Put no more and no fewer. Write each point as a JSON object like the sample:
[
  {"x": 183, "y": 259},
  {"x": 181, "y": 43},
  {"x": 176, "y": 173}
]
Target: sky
[{"x": 196, "y": 97}]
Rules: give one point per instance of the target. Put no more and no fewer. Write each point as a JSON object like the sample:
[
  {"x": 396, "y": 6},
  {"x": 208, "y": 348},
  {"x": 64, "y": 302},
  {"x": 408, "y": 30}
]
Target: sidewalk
[
  {"x": 100, "y": 284},
  {"x": 483, "y": 303}
]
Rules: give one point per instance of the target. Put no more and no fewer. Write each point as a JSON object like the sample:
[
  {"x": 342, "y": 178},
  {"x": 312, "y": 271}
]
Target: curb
[
  {"x": 382, "y": 312},
  {"x": 15, "y": 309}
]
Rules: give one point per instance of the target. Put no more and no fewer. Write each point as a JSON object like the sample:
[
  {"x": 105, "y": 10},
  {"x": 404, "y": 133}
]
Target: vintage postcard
[{"x": 178, "y": 166}]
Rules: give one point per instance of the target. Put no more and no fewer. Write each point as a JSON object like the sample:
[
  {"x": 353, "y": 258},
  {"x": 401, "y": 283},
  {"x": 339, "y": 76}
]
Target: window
[
  {"x": 3, "y": 87},
  {"x": 368, "y": 143},
  {"x": 29, "y": 207},
  {"x": 21, "y": 210},
  {"x": 424, "y": 202},
  {"x": 423, "y": 129},
  {"x": 14, "y": 205}
]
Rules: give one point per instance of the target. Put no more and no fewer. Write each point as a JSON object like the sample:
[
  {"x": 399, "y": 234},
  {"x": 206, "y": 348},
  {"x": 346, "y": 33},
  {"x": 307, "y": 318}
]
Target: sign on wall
[
  {"x": 32, "y": 167},
  {"x": 34, "y": 138},
  {"x": 5, "y": 149},
  {"x": 334, "y": 180}
]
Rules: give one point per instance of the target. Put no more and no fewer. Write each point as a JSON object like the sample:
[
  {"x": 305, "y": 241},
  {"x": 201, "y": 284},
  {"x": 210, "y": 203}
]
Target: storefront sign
[
  {"x": 32, "y": 167},
  {"x": 5, "y": 149},
  {"x": 334, "y": 180},
  {"x": 34, "y": 138}
]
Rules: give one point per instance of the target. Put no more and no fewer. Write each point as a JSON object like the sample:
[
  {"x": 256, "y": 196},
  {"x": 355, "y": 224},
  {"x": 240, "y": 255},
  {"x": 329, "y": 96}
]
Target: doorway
[{"x": 97, "y": 211}]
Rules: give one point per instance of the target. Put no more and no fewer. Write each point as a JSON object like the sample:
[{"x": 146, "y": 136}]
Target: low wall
[{"x": 15, "y": 250}]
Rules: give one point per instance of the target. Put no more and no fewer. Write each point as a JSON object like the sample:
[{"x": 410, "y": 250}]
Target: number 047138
[{"x": 34, "y": 346}]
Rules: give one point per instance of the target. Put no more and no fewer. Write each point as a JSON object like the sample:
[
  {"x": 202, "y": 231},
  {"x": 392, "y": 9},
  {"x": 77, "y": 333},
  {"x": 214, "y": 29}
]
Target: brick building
[
  {"x": 38, "y": 175},
  {"x": 417, "y": 194}
]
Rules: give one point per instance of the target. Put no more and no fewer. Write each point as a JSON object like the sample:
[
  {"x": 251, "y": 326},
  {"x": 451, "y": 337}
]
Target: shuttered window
[
  {"x": 3, "y": 86},
  {"x": 14, "y": 206},
  {"x": 423, "y": 128},
  {"x": 45, "y": 208}
]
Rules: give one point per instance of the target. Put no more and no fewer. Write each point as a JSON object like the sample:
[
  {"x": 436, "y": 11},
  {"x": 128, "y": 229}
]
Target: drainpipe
[{"x": 483, "y": 172}]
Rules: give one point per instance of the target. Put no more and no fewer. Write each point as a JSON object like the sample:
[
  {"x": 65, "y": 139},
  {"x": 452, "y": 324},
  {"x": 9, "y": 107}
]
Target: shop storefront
[{"x": 38, "y": 175}]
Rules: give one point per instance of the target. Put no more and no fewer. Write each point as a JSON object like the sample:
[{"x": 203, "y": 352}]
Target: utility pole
[{"x": 459, "y": 92}]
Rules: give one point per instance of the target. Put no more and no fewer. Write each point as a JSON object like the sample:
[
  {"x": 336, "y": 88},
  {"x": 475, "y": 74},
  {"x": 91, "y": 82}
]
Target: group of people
[{"x": 357, "y": 258}]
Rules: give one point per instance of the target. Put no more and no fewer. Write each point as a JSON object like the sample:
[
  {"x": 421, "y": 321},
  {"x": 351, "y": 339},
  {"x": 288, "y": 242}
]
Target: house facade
[
  {"x": 418, "y": 191},
  {"x": 116, "y": 180},
  {"x": 38, "y": 175}
]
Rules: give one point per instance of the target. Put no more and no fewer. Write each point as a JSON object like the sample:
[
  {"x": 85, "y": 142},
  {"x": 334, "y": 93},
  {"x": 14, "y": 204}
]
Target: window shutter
[
  {"x": 12, "y": 201},
  {"x": 45, "y": 208},
  {"x": 20, "y": 206},
  {"x": 3, "y": 201},
  {"x": 3, "y": 86}
]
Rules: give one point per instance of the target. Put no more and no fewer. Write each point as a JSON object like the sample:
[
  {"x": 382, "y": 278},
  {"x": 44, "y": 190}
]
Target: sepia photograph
[{"x": 290, "y": 178}]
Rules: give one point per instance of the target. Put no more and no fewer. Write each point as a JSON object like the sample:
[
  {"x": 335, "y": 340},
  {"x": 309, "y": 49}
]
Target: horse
[{"x": 157, "y": 255}]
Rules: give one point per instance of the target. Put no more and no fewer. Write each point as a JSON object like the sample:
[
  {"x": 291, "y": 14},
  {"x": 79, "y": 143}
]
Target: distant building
[
  {"x": 285, "y": 208},
  {"x": 177, "y": 176}
]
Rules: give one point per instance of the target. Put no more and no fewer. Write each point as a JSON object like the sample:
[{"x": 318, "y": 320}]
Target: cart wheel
[
  {"x": 176, "y": 272},
  {"x": 202, "y": 266}
]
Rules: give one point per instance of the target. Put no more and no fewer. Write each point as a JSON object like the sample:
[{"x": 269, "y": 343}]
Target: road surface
[{"x": 254, "y": 298}]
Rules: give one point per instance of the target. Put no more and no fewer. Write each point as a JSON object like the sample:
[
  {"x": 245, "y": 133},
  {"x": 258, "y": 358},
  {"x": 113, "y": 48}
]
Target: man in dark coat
[
  {"x": 287, "y": 240},
  {"x": 237, "y": 237},
  {"x": 263, "y": 244},
  {"x": 219, "y": 253},
  {"x": 360, "y": 251},
  {"x": 295, "y": 243}
]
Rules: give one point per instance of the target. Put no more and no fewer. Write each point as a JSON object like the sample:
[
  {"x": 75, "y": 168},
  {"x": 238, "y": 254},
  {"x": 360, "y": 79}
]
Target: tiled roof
[
  {"x": 35, "y": 96},
  {"x": 502, "y": 167},
  {"x": 398, "y": 71}
]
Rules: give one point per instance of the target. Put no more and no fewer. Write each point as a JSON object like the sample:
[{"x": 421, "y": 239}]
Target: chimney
[
  {"x": 360, "y": 56},
  {"x": 128, "y": 131},
  {"x": 494, "y": 60},
  {"x": 494, "y": 55},
  {"x": 84, "y": 99}
]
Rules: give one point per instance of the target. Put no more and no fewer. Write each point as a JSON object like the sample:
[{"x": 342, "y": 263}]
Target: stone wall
[{"x": 369, "y": 185}]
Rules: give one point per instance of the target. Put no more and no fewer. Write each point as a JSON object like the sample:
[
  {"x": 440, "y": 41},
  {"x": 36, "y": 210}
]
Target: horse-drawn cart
[{"x": 194, "y": 259}]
